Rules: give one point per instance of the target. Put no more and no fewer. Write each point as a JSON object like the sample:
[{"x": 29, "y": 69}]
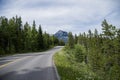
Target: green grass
[{"x": 69, "y": 69}]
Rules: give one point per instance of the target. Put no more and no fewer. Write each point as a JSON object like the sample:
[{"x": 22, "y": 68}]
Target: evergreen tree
[
  {"x": 18, "y": 34},
  {"x": 34, "y": 37},
  {"x": 27, "y": 37},
  {"x": 55, "y": 40},
  {"x": 46, "y": 40},
  {"x": 4, "y": 35},
  {"x": 40, "y": 38},
  {"x": 76, "y": 39},
  {"x": 16, "y": 37},
  {"x": 70, "y": 40},
  {"x": 61, "y": 43}
]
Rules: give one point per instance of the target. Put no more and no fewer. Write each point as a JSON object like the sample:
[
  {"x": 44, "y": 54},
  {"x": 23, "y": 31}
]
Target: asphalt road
[{"x": 30, "y": 66}]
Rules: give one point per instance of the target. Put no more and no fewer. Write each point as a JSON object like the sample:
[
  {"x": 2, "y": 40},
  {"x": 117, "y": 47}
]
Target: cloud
[{"x": 73, "y": 15}]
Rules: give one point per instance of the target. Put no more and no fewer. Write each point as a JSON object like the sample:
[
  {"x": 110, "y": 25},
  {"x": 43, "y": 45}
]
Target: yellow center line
[{"x": 4, "y": 65}]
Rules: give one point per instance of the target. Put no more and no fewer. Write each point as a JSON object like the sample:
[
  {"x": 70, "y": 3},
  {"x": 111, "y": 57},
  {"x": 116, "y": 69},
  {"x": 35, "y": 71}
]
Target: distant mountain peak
[
  {"x": 62, "y": 35},
  {"x": 61, "y": 31}
]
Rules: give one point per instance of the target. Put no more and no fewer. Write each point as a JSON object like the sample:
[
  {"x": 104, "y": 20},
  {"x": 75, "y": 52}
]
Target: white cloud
[{"x": 73, "y": 15}]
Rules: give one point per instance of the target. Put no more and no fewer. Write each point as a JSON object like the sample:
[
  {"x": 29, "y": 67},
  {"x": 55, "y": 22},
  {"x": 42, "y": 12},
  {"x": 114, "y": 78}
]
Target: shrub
[{"x": 79, "y": 53}]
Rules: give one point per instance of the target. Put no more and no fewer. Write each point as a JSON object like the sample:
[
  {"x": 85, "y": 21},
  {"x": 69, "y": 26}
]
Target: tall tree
[
  {"x": 70, "y": 40},
  {"x": 4, "y": 35},
  {"x": 40, "y": 38},
  {"x": 16, "y": 37},
  {"x": 27, "y": 37},
  {"x": 46, "y": 40},
  {"x": 76, "y": 39},
  {"x": 34, "y": 36},
  {"x": 18, "y": 31},
  {"x": 109, "y": 31}
]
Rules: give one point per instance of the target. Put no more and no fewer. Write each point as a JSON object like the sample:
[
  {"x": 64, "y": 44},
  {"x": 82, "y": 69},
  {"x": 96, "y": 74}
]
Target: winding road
[{"x": 29, "y": 66}]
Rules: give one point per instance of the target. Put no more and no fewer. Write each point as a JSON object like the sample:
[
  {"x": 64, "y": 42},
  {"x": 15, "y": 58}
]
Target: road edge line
[
  {"x": 4, "y": 65},
  {"x": 55, "y": 68}
]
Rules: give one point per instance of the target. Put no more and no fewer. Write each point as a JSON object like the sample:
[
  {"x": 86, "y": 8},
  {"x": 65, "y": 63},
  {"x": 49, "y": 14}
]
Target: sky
[{"x": 75, "y": 16}]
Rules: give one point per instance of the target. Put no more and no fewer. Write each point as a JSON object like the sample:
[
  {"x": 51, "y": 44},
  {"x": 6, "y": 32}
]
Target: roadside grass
[{"x": 69, "y": 69}]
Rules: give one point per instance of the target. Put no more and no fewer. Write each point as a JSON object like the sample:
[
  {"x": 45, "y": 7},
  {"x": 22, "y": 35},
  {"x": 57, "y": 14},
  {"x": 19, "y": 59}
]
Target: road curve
[{"x": 30, "y": 66}]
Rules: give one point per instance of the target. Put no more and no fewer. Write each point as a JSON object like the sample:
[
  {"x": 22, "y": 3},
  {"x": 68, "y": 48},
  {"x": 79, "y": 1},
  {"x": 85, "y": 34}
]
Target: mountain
[{"x": 62, "y": 35}]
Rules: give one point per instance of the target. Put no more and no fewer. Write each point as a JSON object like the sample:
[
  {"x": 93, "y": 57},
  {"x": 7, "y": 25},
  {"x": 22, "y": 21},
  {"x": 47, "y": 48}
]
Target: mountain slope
[{"x": 62, "y": 35}]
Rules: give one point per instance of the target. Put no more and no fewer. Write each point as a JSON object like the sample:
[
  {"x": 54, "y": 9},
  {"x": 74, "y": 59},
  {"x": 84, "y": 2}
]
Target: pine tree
[
  {"x": 46, "y": 40},
  {"x": 27, "y": 37},
  {"x": 16, "y": 38},
  {"x": 76, "y": 39},
  {"x": 55, "y": 41},
  {"x": 40, "y": 39},
  {"x": 4, "y": 35},
  {"x": 18, "y": 34},
  {"x": 12, "y": 35},
  {"x": 70, "y": 40},
  {"x": 34, "y": 37}
]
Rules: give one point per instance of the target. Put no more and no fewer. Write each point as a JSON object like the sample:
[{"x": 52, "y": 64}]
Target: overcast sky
[{"x": 68, "y": 15}]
